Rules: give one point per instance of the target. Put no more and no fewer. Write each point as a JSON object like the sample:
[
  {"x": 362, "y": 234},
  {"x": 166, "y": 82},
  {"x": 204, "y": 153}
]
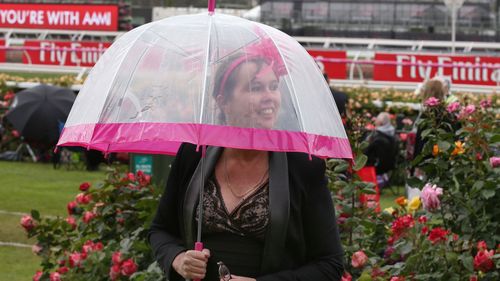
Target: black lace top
[{"x": 250, "y": 218}]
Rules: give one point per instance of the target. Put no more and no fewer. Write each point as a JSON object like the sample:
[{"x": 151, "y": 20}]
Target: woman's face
[{"x": 256, "y": 100}]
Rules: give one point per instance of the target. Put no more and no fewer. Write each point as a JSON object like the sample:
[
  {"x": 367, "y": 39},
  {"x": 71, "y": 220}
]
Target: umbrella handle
[{"x": 198, "y": 246}]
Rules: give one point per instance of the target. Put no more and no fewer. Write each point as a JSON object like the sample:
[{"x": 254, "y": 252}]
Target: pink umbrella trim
[{"x": 162, "y": 138}]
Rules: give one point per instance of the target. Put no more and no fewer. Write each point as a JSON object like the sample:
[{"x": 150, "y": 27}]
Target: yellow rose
[{"x": 414, "y": 204}]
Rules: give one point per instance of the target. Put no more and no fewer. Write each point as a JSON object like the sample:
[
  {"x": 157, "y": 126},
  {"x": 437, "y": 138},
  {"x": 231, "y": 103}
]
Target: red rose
[
  {"x": 437, "y": 234},
  {"x": 98, "y": 246},
  {"x": 130, "y": 177},
  {"x": 63, "y": 270},
  {"x": 71, "y": 207},
  {"x": 75, "y": 259},
  {"x": 28, "y": 223},
  {"x": 358, "y": 259},
  {"x": 481, "y": 245},
  {"x": 37, "y": 275},
  {"x": 117, "y": 258},
  {"x": 425, "y": 229},
  {"x": 83, "y": 199},
  {"x": 128, "y": 267},
  {"x": 473, "y": 278},
  {"x": 84, "y": 186},
  {"x": 120, "y": 221},
  {"x": 114, "y": 272},
  {"x": 483, "y": 261},
  {"x": 71, "y": 221},
  {"x": 88, "y": 216},
  {"x": 15, "y": 133},
  {"x": 422, "y": 219},
  {"x": 55, "y": 276},
  {"x": 398, "y": 278},
  {"x": 346, "y": 276}
]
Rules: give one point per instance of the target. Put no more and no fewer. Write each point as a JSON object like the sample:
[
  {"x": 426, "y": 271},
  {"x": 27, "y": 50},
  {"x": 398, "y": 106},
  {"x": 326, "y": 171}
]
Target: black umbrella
[{"x": 39, "y": 113}]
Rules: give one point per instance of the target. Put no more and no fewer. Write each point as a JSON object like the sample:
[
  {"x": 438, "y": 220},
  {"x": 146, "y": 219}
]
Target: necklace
[{"x": 241, "y": 196}]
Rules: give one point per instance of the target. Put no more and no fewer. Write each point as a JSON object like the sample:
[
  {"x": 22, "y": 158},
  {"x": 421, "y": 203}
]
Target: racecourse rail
[{"x": 360, "y": 51}]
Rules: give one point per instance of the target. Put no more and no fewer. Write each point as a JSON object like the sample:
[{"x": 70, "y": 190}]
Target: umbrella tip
[{"x": 211, "y": 7}]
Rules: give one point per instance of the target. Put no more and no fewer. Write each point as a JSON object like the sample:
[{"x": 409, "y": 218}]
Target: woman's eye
[
  {"x": 273, "y": 87},
  {"x": 256, "y": 88}
]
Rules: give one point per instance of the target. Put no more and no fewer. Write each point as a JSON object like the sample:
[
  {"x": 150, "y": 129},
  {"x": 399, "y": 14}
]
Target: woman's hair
[{"x": 433, "y": 88}]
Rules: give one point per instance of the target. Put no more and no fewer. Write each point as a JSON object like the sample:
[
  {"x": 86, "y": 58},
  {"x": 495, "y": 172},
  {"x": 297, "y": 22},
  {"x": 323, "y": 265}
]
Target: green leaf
[
  {"x": 467, "y": 262},
  {"x": 443, "y": 145},
  {"x": 360, "y": 162},
  {"x": 341, "y": 167},
  {"x": 487, "y": 193},
  {"x": 35, "y": 215},
  {"x": 425, "y": 133},
  {"x": 495, "y": 138}
]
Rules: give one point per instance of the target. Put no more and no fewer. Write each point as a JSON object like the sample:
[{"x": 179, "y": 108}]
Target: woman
[{"x": 267, "y": 215}]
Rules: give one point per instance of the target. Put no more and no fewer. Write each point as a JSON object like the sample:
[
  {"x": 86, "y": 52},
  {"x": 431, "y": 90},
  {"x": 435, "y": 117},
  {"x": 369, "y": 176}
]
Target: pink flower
[
  {"x": 485, "y": 103},
  {"x": 131, "y": 177},
  {"x": 358, "y": 259},
  {"x": 71, "y": 207},
  {"x": 36, "y": 249},
  {"x": 128, "y": 267},
  {"x": 88, "y": 216},
  {"x": 63, "y": 270},
  {"x": 431, "y": 102},
  {"x": 55, "y": 276},
  {"x": 397, "y": 278},
  {"x": 407, "y": 121},
  {"x": 437, "y": 235},
  {"x": 452, "y": 107},
  {"x": 422, "y": 219},
  {"x": 117, "y": 258},
  {"x": 473, "y": 278},
  {"x": 28, "y": 223},
  {"x": 483, "y": 261},
  {"x": 430, "y": 197},
  {"x": 83, "y": 199},
  {"x": 481, "y": 245},
  {"x": 37, "y": 275},
  {"x": 71, "y": 221},
  {"x": 346, "y": 276},
  {"x": 75, "y": 259},
  {"x": 495, "y": 161},
  {"x": 84, "y": 186},
  {"x": 469, "y": 109},
  {"x": 114, "y": 272}
]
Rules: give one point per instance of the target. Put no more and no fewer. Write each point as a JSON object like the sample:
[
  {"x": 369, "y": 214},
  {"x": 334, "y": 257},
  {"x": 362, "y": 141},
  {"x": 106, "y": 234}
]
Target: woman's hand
[
  {"x": 192, "y": 264},
  {"x": 240, "y": 278}
]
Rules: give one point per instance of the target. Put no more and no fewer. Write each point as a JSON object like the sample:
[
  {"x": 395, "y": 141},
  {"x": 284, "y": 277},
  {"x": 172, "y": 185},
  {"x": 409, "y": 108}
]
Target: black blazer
[{"x": 302, "y": 241}]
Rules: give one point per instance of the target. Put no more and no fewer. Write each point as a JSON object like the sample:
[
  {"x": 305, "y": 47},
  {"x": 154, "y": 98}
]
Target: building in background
[{"x": 478, "y": 20}]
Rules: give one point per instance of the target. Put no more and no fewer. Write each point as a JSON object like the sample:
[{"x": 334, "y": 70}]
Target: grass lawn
[{"x": 27, "y": 186}]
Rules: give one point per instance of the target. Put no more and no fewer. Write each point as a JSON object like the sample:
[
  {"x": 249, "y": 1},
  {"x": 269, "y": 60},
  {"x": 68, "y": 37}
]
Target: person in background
[
  {"x": 382, "y": 149},
  {"x": 341, "y": 98}
]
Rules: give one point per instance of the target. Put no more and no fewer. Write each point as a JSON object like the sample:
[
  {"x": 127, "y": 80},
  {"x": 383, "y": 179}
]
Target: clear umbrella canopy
[{"x": 208, "y": 79}]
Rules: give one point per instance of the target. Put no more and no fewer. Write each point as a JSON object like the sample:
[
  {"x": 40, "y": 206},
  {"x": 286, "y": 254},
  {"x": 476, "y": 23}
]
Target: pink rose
[
  {"x": 346, "y": 276},
  {"x": 481, "y": 245},
  {"x": 114, "y": 272},
  {"x": 71, "y": 207},
  {"x": 71, "y": 221},
  {"x": 422, "y": 219},
  {"x": 75, "y": 259},
  {"x": 37, "y": 275},
  {"x": 453, "y": 107},
  {"x": 117, "y": 258},
  {"x": 430, "y": 197},
  {"x": 431, "y": 102},
  {"x": 128, "y": 267},
  {"x": 84, "y": 186},
  {"x": 483, "y": 260},
  {"x": 28, "y": 223},
  {"x": 397, "y": 278},
  {"x": 63, "y": 270},
  {"x": 55, "y": 276},
  {"x": 358, "y": 259},
  {"x": 36, "y": 249},
  {"x": 495, "y": 161},
  {"x": 469, "y": 109},
  {"x": 88, "y": 216},
  {"x": 83, "y": 199},
  {"x": 131, "y": 177},
  {"x": 485, "y": 103},
  {"x": 407, "y": 121}
]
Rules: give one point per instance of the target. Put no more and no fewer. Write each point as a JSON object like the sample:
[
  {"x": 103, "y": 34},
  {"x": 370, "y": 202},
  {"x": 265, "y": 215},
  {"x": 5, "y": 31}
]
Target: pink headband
[{"x": 264, "y": 49}]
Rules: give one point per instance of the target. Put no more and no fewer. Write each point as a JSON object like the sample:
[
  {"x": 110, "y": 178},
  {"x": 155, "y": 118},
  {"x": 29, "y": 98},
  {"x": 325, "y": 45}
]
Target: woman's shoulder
[{"x": 303, "y": 164}]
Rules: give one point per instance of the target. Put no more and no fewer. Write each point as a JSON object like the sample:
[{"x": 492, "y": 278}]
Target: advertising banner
[
  {"x": 2, "y": 51},
  {"x": 63, "y": 52},
  {"x": 335, "y": 70},
  {"x": 470, "y": 70},
  {"x": 59, "y": 16}
]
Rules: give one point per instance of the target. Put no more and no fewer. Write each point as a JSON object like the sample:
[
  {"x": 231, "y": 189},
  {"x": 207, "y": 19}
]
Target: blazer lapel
[
  {"x": 279, "y": 207},
  {"x": 204, "y": 169}
]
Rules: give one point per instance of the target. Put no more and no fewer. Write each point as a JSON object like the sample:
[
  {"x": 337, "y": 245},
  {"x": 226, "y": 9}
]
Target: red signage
[
  {"x": 335, "y": 70},
  {"x": 472, "y": 70},
  {"x": 59, "y": 16},
  {"x": 63, "y": 53},
  {"x": 2, "y": 51}
]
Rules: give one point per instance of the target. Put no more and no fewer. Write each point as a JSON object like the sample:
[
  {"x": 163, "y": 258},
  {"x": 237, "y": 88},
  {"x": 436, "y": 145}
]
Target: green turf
[
  {"x": 17, "y": 264},
  {"x": 11, "y": 230},
  {"x": 26, "y": 186}
]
